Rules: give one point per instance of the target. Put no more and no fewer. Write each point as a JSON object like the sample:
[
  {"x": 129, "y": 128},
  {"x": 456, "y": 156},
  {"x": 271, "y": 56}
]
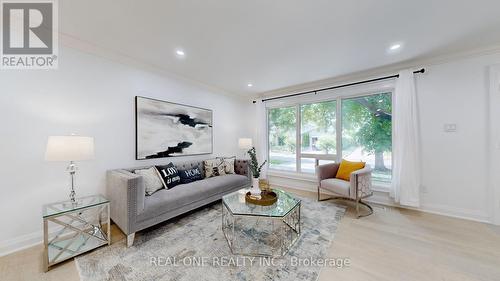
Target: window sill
[
  {"x": 381, "y": 187},
  {"x": 292, "y": 175}
]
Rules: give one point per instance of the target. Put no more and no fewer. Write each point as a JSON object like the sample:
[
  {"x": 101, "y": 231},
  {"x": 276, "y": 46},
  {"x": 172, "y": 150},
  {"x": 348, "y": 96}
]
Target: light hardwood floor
[{"x": 391, "y": 244}]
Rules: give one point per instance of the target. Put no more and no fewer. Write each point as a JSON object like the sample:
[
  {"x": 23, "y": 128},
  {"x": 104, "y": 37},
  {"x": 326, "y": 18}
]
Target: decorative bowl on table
[{"x": 266, "y": 198}]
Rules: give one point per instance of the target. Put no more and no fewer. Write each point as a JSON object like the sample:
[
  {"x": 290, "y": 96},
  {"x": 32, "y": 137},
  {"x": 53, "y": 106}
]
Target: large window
[
  {"x": 317, "y": 134},
  {"x": 365, "y": 126},
  {"x": 367, "y": 133},
  {"x": 282, "y": 138}
]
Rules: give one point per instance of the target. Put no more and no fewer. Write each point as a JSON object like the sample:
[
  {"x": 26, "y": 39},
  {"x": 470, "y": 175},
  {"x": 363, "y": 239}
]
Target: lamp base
[{"x": 72, "y": 204}]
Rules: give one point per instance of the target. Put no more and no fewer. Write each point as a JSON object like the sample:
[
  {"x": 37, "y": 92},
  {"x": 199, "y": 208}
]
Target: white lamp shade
[
  {"x": 245, "y": 143},
  {"x": 69, "y": 148}
]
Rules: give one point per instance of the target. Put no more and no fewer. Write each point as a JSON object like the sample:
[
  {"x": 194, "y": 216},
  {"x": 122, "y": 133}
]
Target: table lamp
[
  {"x": 245, "y": 144},
  {"x": 70, "y": 148}
]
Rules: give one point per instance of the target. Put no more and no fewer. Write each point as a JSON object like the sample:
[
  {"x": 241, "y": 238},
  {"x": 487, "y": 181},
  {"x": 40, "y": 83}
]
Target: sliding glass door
[{"x": 302, "y": 136}]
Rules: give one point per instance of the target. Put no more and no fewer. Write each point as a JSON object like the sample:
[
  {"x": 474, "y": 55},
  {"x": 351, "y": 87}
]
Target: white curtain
[
  {"x": 261, "y": 134},
  {"x": 405, "y": 145}
]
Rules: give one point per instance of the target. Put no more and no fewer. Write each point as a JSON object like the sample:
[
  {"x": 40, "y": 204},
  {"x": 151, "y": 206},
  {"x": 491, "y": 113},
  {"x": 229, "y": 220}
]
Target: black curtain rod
[{"x": 340, "y": 86}]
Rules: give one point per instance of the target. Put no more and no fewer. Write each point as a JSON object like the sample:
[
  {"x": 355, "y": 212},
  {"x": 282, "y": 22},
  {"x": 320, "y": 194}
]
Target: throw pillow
[
  {"x": 347, "y": 167},
  {"x": 228, "y": 164},
  {"x": 190, "y": 175},
  {"x": 169, "y": 175},
  {"x": 152, "y": 181},
  {"x": 214, "y": 167}
]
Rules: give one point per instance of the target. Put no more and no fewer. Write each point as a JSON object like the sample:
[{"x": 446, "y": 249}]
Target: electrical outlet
[{"x": 450, "y": 128}]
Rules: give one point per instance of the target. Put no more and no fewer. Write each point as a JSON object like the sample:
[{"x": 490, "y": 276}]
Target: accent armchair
[{"x": 358, "y": 188}]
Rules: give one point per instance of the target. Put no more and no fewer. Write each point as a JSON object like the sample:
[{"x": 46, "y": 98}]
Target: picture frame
[{"x": 168, "y": 129}]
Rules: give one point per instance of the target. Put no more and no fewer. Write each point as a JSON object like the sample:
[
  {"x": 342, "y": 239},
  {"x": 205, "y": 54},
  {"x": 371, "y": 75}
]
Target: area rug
[{"x": 193, "y": 248}]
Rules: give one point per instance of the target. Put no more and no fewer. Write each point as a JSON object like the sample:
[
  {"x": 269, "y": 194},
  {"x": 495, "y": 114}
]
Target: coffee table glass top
[
  {"x": 235, "y": 203},
  {"x": 59, "y": 208}
]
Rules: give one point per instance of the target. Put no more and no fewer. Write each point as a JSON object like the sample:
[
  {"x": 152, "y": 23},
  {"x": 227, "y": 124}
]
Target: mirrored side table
[{"x": 72, "y": 229}]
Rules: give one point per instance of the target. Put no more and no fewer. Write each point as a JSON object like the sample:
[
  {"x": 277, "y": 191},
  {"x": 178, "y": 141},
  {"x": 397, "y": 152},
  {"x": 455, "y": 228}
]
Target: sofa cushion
[
  {"x": 169, "y": 175},
  {"x": 214, "y": 167},
  {"x": 241, "y": 167},
  {"x": 338, "y": 186},
  {"x": 166, "y": 200},
  {"x": 228, "y": 164},
  {"x": 190, "y": 175},
  {"x": 152, "y": 180},
  {"x": 347, "y": 167}
]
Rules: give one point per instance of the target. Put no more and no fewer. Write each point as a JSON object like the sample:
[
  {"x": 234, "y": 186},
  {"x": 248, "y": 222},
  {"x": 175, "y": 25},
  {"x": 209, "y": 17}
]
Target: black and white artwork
[{"x": 165, "y": 129}]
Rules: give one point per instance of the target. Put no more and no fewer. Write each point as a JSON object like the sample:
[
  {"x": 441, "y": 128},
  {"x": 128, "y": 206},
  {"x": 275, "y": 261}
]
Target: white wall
[
  {"x": 455, "y": 165},
  {"x": 91, "y": 96},
  {"x": 494, "y": 128},
  {"x": 455, "y": 172}
]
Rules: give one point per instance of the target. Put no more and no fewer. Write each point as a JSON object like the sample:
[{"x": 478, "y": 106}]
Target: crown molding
[
  {"x": 116, "y": 56},
  {"x": 382, "y": 71}
]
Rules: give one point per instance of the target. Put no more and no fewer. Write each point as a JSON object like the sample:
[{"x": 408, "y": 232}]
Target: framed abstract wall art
[{"x": 166, "y": 129}]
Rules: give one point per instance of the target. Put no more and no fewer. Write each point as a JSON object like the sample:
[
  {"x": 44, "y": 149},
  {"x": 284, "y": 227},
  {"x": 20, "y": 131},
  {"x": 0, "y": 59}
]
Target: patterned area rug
[{"x": 193, "y": 247}]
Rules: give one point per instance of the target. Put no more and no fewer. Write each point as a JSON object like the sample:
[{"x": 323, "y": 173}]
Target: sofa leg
[{"x": 130, "y": 239}]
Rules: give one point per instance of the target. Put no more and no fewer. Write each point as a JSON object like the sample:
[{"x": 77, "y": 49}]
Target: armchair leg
[
  {"x": 327, "y": 198},
  {"x": 358, "y": 215},
  {"x": 357, "y": 208},
  {"x": 358, "y": 202}
]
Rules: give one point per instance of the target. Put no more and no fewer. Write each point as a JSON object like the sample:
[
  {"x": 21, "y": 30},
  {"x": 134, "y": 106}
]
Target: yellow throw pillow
[{"x": 347, "y": 167}]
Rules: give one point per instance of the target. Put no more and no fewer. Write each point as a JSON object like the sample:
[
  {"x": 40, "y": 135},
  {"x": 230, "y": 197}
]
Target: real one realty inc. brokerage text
[{"x": 249, "y": 261}]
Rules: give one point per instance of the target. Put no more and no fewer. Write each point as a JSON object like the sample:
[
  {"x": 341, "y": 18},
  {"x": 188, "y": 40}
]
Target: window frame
[{"x": 338, "y": 95}]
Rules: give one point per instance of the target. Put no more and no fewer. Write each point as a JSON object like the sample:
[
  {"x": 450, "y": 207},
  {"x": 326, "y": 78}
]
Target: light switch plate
[{"x": 450, "y": 128}]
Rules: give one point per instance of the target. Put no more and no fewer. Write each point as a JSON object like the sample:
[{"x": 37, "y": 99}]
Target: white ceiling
[{"x": 279, "y": 43}]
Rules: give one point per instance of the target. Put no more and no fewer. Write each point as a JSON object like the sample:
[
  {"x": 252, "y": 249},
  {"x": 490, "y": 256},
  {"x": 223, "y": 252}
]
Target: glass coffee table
[{"x": 260, "y": 230}]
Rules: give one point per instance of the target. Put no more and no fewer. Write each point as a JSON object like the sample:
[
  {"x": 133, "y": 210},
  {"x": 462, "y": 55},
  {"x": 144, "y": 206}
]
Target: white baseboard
[
  {"x": 383, "y": 198},
  {"x": 20, "y": 243},
  {"x": 25, "y": 241}
]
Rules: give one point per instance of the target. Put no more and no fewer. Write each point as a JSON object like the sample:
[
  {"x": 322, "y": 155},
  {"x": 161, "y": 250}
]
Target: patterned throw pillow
[
  {"x": 190, "y": 175},
  {"x": 152, "y": 181},
  {"x": 169, "y": 175},
  {"x": 214, "y": 167},
  {"x": 228, "y": 164}
]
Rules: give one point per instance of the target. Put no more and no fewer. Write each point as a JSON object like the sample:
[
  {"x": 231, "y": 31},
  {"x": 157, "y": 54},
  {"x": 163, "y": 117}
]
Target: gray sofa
[{"x": 133, "y": 211}]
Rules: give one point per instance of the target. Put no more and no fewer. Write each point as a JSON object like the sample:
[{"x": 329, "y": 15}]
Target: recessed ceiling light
[
  {"x": 249, "y": 85},
  {"x": 395, "y": 47},
  {"x": 180, "y": 53}
]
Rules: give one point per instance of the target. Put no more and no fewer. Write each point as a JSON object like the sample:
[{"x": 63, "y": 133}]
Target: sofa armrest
[
  {"x": 126, "y": 192},
  {"x": 326, "y": 171},
  {"x": 361, "y": 183},
  {"x": 241, "y": 167}
]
